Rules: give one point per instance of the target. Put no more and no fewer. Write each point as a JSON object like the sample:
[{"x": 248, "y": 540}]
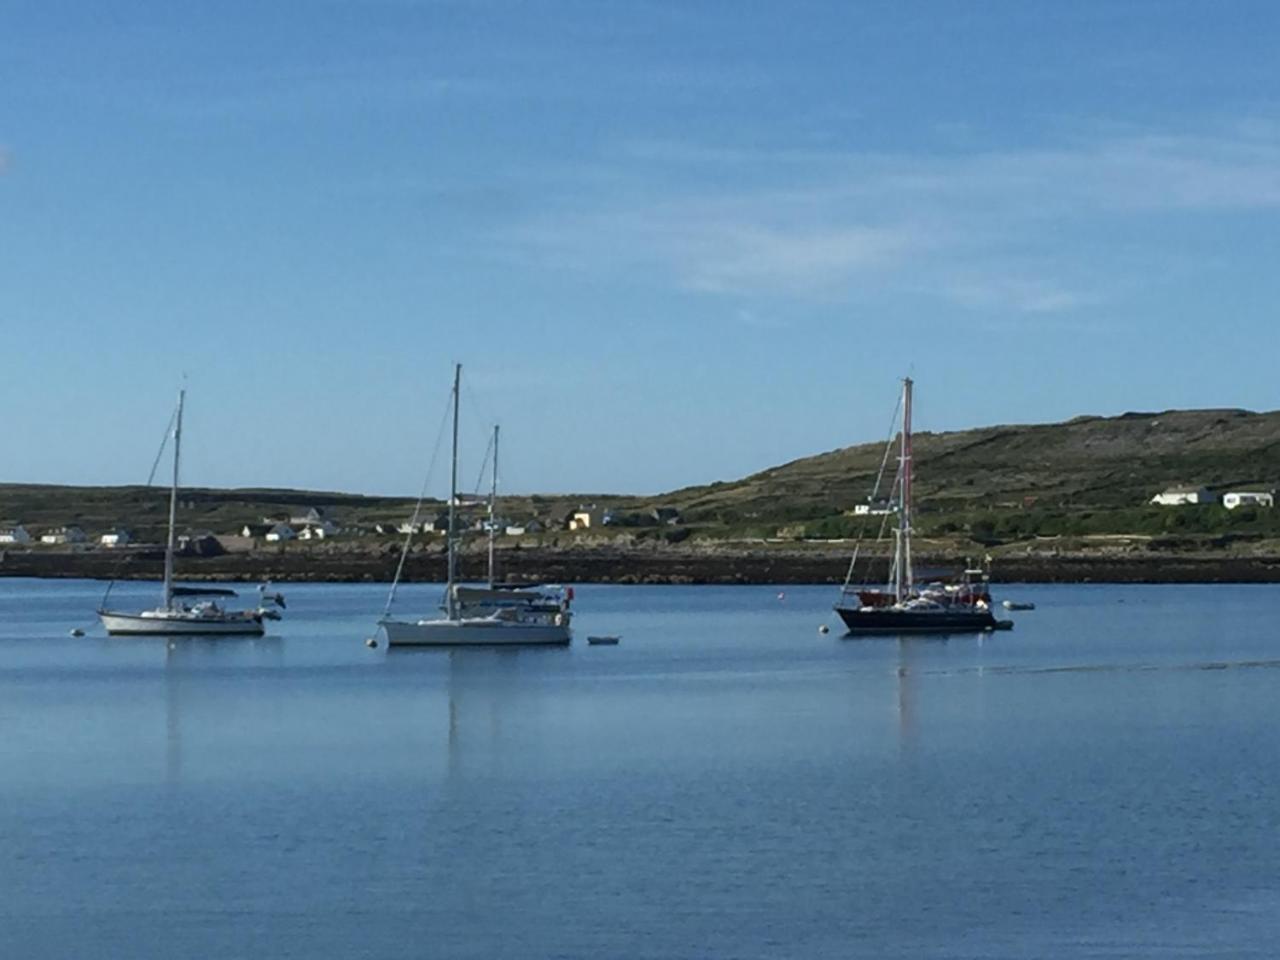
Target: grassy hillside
[
  {"x": 1088, "y": 475},
  {"x": 1092, "y": 466},
  {"x": 144, "y": 510}
]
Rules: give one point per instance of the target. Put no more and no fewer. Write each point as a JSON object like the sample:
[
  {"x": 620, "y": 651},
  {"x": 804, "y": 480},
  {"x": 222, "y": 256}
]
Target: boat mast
[
  {"x": 173, "y": 504},
  {"x": 493, "y": 499},
  {"x": 450, "y": 606},
  {"x": 906, "y": 577}
]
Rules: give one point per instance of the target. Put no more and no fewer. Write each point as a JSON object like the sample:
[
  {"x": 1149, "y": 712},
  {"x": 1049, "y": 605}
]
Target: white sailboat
[
  {"x": 493, "y": 617},
  {"x": 175, "y": 615}
]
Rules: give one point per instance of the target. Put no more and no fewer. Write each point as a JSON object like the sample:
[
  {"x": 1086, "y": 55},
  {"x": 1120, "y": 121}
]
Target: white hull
[
  {"x": 161, "y": 624},
  {"x": 174, "y": 617},
  {"x": 481, "y": 617},
  {"x": 473, "y": 631}
]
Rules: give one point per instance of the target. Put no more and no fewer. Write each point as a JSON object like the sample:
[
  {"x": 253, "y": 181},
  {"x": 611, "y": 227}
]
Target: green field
[{"x": 1087, "y": 476}]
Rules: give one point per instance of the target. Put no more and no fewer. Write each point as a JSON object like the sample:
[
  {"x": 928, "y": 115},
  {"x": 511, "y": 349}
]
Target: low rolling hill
[
  {"x": 1090, "y": 474},
  {"x": 1089, "y": 463}
]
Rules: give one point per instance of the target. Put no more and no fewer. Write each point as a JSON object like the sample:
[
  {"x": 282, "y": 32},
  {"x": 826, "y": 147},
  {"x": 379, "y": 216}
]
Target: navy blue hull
[{"x": 917, "y": 621}]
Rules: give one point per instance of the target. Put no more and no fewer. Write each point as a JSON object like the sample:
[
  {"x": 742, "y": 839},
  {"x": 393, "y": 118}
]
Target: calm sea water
[{"x": 1100, "y": 782}]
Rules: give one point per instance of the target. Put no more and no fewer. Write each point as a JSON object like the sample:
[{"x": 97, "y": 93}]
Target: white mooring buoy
[
  {"x": 824, "y": 629},
  {"x": 76, "y": 632},
  {"x": 371, "y": 643}
]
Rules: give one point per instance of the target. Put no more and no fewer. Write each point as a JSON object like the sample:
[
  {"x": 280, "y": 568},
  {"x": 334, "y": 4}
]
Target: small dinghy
[
  {"x": 1015, "y": 605},
  {"x": 606, "y": 641}
]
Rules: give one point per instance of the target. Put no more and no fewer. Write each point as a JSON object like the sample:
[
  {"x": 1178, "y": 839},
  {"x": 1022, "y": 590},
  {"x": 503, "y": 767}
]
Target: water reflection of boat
[{"x": 963, "y": 606}]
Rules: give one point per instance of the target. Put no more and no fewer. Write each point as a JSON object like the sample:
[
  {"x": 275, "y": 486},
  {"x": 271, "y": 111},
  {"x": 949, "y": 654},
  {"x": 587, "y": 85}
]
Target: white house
[
  {"x": 515, "y": 530},
  {"x": 64, "y": 535},
  {"x": 14, "y": 535},
  {"x": 1252, "y": 498},
  {"x": 317, "y": 531},
  {"x": 584, "y": 518},
  {"x": 878, "y": 508},
  {"x": 202, "y": 543},
  {"x": 279, "y": 533},
  {"x": 116, "y": 538},
  {"x": 313, "y": 515},
  {"x": 438, "y": 524},
  {"x": 1181, "y": 496}
]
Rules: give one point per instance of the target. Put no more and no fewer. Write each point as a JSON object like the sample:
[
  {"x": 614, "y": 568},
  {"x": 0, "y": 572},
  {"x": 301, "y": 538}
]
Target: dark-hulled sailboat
[{"x": 902, "y": 606}]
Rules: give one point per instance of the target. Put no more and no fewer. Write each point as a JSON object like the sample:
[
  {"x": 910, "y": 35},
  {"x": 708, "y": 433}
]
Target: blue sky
[{"x": 670, "y": 242}]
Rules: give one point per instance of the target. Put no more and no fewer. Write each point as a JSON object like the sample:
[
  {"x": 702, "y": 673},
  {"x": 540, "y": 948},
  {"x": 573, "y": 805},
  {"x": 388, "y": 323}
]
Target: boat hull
[
  {"x": 130, "y": 624},
  {"x": 477, "y": 632},
  {"x": 889, "y": 620}
]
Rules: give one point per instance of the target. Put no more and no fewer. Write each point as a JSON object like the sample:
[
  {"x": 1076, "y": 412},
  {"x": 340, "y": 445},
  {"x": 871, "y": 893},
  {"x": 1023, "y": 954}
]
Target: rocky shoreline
[{"x": 668, "y": 564}]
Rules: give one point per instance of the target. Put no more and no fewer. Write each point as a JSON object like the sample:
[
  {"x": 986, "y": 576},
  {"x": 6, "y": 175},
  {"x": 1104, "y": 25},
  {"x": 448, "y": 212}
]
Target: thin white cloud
[
  {"x": 976, "y": 229},
  {"x": 1123, "y": 175},
  {"x": 710, "y": 249},
  {"x": 1009, "y": 291},
  {"x": 737, "y": 257}
]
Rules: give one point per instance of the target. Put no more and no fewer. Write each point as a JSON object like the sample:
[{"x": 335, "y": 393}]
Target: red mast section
[{"x": 906, "y": 579}]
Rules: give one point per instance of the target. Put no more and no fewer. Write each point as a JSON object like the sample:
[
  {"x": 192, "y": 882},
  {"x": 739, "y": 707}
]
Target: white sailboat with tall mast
[
  {"x": 175, "y": 615},
  {"x": 494, "y": 617}
]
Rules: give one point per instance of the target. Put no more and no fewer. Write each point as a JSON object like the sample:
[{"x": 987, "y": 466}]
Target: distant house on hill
[
  {"x": 1182, "y": 496},
  {"x": 64, "y": 535},
  {"x": 16, "y": 534},
  {"x": 317, "y": 531},
  {"x": 115, "y": 538},
  {"x": 279, "y": 533},
  {"x": 1248, "y": 498},
  {"x": 256, "y": 529},
  {"x": 313, "y": 515},
  {"x": 201, "y": 544},
  {"x": 584, "y": 518},
  {"x": 667, "y": 515},
  {"x": 499, "y": 523},
  {"x": 438, "y": 524},
  {"x": 873, "y": 508}
]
